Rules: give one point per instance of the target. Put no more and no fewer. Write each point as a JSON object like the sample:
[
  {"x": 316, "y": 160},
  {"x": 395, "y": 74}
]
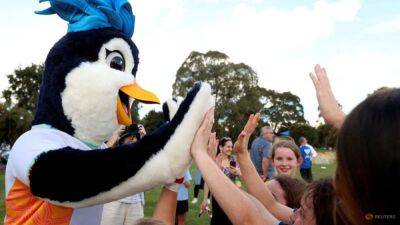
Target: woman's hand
[
  {"x": 231, "y": 199},
  {"x": 199, "y": 144},
  {"x": 234, "y": 170},
  {"x": 212, "y": 145},
  {"x": 328, "y": 105},
  {"x": 242, "y": 141},
  {"x": 203, "y": 206}
]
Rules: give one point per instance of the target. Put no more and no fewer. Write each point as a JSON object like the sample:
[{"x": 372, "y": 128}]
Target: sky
[{"x": 356, "y": 41}]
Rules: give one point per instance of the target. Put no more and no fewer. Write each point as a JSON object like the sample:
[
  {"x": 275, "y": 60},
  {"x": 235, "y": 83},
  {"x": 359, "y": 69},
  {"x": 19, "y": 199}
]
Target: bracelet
[{"x": 174, "y": 186}]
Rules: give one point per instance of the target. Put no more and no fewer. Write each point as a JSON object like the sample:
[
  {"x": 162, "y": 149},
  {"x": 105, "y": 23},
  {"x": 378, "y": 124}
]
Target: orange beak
[{"x": 136, "y": 92}]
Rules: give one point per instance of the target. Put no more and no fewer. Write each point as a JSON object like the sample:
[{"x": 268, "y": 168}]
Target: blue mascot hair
[{"x": 85, "y": 15}]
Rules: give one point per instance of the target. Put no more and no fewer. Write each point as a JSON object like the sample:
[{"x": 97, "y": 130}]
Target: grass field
[{"x": 319, "y": 171}]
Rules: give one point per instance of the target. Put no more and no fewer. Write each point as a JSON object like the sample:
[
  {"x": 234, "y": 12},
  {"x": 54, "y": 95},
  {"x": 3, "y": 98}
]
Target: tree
[
  {"x": 234, "y": 86},
  {"x": 298, "y": 130},
  {"x": 20, "y": 97},
  {"x": 135, "y": 111},
  {"x": 327, "y": 136},
  {"x": 237, "y": 117},
  {"x": 152, "y": 119},
  {"x": 13, "y": 122},
  {"x": 24, "y": 87},
  {"x": 282, "y": 109}
]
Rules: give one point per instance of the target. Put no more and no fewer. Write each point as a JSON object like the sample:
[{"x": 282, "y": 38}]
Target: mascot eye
[{"x": 115, "y": 60}]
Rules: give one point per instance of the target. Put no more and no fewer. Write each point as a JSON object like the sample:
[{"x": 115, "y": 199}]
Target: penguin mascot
[{"x": 57, "y": 172}]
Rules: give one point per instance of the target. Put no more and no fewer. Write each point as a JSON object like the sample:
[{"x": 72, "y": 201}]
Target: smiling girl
[{"x": 286, "y": 158}]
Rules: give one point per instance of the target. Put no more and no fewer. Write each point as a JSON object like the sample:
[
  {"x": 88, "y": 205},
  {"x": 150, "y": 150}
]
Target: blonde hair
[
  {"x": 283, "y": 138},
  {"x": 286, "y": 144}
]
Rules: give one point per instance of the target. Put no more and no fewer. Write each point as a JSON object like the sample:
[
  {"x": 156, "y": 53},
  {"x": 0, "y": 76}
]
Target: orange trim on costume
[{"x": 22, "y": 208}]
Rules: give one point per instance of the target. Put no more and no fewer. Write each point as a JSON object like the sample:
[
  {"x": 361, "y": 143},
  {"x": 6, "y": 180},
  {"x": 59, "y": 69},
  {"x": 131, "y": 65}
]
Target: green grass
[
  {"x": 321, "y": 171},
  {"x": 192, "y": 216}
]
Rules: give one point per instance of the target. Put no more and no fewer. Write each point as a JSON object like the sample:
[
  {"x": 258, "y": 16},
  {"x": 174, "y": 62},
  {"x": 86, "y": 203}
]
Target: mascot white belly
[{"x": 57, "y": 173}]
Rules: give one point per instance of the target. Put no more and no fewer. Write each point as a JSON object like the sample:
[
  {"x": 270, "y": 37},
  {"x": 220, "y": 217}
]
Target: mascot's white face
[{"x": 97, "y": 97}]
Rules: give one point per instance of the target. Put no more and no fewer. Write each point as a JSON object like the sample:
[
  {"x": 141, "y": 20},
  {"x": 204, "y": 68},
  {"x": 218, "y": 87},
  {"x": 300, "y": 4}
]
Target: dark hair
[
  {"x": 368, "y": 157},
  {"x": 132, "y": 130},
  {"x": 285, "y": 144},
  {"x": 265, "y": 128},
  {"x": 222, "y": 143},
  {"x": 293, "y": 188},
  {"x": 302, "y": 140},
  {"x": 324, "y": 201}
]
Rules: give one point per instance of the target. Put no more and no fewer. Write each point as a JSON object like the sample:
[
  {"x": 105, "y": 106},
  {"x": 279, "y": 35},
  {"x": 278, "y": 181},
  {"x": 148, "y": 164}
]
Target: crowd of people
[{"x": 363, "y": 190}]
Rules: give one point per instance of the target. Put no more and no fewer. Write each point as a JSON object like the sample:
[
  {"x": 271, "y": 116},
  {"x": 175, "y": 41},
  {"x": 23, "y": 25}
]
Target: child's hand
[
  {"x": 242, "y": 142},
  {"x": 186, "y": 183}
]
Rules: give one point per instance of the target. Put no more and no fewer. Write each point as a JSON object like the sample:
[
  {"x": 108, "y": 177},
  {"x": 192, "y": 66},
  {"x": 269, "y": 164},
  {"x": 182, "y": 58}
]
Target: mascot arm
[
  {"x": 27, "y": 148},
  {"x": 76, "y": 178}
]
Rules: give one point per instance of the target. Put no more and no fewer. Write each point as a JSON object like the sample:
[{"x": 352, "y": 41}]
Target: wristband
[{"x": 174, "y": 186}]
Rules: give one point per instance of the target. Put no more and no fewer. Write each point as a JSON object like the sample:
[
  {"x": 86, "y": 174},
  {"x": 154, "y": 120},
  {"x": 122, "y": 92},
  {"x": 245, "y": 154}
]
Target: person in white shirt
[{"x": 129, "y": 210}]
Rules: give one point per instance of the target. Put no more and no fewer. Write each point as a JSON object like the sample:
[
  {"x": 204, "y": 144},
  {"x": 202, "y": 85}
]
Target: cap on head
[{"x": 284, "y": 132}]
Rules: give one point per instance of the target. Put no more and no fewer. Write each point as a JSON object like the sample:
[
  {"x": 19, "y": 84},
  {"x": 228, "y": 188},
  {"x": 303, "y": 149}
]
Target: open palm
[
  {"x": 328, "y": 105},
  {"x": 242, "y": 141}
]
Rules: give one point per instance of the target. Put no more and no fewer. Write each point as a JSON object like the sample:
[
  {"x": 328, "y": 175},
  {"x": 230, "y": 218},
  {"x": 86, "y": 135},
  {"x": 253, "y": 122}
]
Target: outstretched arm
[
  {"x": 212, "y": 152},
  {"x": 253, "y": 181},
  {"x": 166, "y": 206},
  {"x": 77, "y": 178},
  {"x": 328, "y": 105},
  {"x": 231, "y": 199}
]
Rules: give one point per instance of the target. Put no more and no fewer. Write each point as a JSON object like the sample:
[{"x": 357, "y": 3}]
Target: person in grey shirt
[{"x": 260, "y": 153}]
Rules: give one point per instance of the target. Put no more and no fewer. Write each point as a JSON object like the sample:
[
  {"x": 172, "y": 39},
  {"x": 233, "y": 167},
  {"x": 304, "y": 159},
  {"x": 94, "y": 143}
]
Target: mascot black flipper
[{"x": 57, "y": 172}]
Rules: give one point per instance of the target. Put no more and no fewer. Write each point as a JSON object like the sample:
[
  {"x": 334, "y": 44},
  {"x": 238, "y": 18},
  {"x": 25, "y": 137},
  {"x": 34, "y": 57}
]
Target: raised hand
[
  {"x": 328, "y": 105},
  {"x": 113, "y": 139},
  {"x": 240, "y": 146},
  {"x": 202, "y": 136},
  {"x": 212, "y": 145}
]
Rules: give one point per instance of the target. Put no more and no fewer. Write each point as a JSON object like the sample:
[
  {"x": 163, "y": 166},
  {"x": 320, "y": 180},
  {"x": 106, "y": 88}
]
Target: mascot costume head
[{"x": 58, "y": 172}]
